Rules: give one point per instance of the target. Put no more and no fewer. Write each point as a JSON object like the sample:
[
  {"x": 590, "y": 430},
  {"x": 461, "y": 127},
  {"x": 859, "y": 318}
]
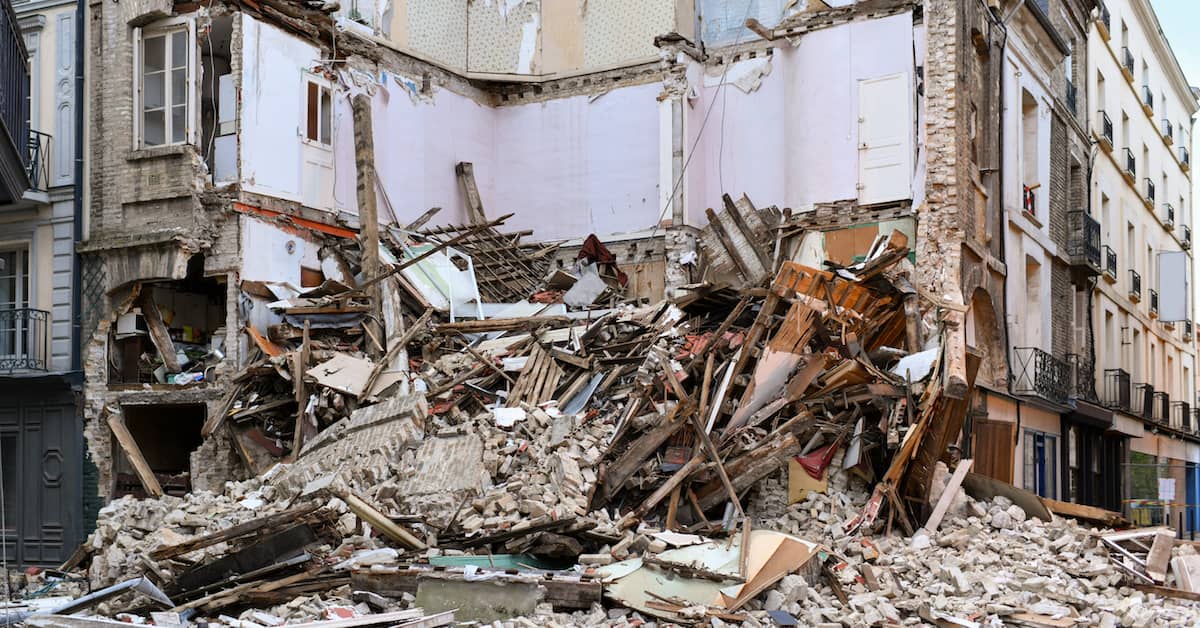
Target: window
[
  {"x": 1040, "y": 472},
  {"x": 319, "y": 113},
  {"x": 164, "y": 94},
  {"x": 14, "y": 295}
]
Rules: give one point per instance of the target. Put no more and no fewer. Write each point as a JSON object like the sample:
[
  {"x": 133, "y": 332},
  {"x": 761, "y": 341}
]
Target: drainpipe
[{"x": 77, "y": 227}]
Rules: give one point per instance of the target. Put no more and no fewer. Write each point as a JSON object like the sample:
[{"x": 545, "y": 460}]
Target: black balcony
[
  {"x": 1106, "y": 129},
  {"x": 1161, "y": 410},
  {"x": 1130, "y": 164},
  {"x": 1110, "y": 262},
  {"x": 1104, "y": 20},
  {"x": 1083, "y": 377},
  {"x": 1185, "y": 158},
  {"x": 14, "y": 108},
  {"x": 1168, "y": 130},
  {"x": 1147, "y": 97},
  {"x": 1188, "y": 330},
  {"x": 1153, "y": 302},
  {"x": 1135, "y": 285},
  {"x": 1142, "y": 401},
  {"x": 1168, "y": 215},
  {"x": 1083, "y": 242},
  {"x": 1041, "y": 374},
  {"x": 1072, "y": 97},
  {"x": 1181, "y": 415},
  {"x": 24, "y": 339},
  {"x": 1029, "y": 199},
  {"x": 1186, "y": 240},
  {"x": 1127, "y": 61},
  {"x": 38, "y": 168},
  {"x": 1117, "y": 389},
  {"x": 1148, "y": 190}
]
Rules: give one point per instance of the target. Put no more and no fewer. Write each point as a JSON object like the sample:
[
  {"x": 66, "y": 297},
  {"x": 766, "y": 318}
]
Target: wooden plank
[
  {"x": 620, "y": 470},
  {"x": 739, "y": 221},
  {"x": 158, "y": 332},
  {"x": 731, "y": 248},
  {"x": 381, "y": 522},
  {"x": 116, "y": 423},
  {"x": 523, "y": 323},
  {"x": 368, "y": 215},
  {"x": 1187, "y": 572},
  {"x": 299, "y": 364},
  {"x": 1160, "y": 556},
  {"x": 939, "y": 511},
  {"x": 1168, "y": 592},
  {"x": 1093, "y": 514},
  {"x": 466, "y": 177},
  {"x": 233, "y": 532}
]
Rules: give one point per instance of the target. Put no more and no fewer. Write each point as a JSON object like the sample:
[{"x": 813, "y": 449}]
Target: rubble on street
[{"x": 773, "y": 446}]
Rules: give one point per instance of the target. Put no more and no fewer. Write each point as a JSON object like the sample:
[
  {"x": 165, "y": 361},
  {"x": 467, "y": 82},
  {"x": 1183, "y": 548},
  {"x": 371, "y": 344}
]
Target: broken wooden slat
[
  {"x": 380, "y": 522},
  {"x": 939, "y": 511},
  {"x": 116, "y": 423},
  {"x": 159, "y": 334}
]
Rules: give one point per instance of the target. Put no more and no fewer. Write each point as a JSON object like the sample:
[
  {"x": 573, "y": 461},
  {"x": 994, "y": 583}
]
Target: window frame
[
  {"x": 323, "y": 85},
  {"x": 165, "y": 28}
]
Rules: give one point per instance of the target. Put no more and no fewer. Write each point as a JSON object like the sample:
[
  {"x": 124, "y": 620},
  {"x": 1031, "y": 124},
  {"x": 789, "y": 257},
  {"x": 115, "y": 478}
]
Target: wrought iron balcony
[
  {"x": 1161, "y": 410},
  {"x": 1148, "y": 190},
  {"x": 1106, "y": 131},
  {"x": 1135, "y": 285},
  {"x": 1153, "y": 302},
  {"x": 1185, "y": 158},
  {"x": 38, "y": 168},
  {"x": 1147, "y": 97},
  {"x": 1142, "y": 403},
  {"x": 14, "y": 107},
  {"x": 1029, "y": 199},
  {"x": 1083, "y": 241},
  {"x": 1127, "y": 62},
  {"x": 1186, "y": 240},
  {"x": 1181, "y": 415},
  {"x": 24, "y": 339},
  {"x": 1130, "y": 164},
  {"x": 1188, "y": 330},
  {"x": 1041, "y": 374},
  {"x": 1110, "y": 262},
  {"x": 1168, "y": 131},
  {"x": 1168, "y": 215},
  {"x": 1117, "y": 389},
  {"x": 1083, "y": 377},
  {"x": 1072, "y": 96},
  {"x": 1103, "y": 20}
]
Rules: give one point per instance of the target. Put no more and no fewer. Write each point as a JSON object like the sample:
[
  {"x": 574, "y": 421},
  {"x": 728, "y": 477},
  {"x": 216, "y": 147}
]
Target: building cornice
[{"x": 35, "y": 6}]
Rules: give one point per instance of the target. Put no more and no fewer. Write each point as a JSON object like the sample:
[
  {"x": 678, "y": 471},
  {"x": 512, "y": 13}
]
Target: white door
[{"x": 884, "y": 139}]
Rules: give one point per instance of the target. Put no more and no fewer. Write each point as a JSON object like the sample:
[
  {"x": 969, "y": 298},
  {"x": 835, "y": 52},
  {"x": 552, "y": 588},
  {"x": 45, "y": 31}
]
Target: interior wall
[{"x": 793, "y": 141}]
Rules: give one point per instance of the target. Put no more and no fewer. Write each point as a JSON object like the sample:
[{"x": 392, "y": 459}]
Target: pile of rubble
[{"x": 769, "y": 447}]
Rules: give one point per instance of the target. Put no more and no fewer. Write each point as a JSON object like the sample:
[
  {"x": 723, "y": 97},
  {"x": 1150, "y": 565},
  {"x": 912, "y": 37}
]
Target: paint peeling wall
[{"x": 793, "y": 141}]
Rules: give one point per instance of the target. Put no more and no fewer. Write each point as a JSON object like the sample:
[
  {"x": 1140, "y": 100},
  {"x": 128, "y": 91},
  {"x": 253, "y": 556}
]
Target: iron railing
[
  {"x": 1181, "y": 415},
  {"x": 1169, "y": 218},
  {"x": 1117, "y": 391},
  {"x": 1149, "y": 190},
  {"x": 1127, "y": 60},
  {"x": 1186, "y": 241},
  {"x": 1110, "y": 262},
  {"x": 1185, "y": 157},
  {"x": 1161, "y": 411},
  {"x": 24, "y": 339},
  {"x": 1072, "y": 96},
  {"x": 38, "y": 168},
  {"x": 1188, "y": 330},
  {"x": 1083, "y": 377},
  {"x": 1106, "y": 128},
  {"x": 1168, "y": 129},
  {"x": 1083, "y": 242},
  {"x": 1135, "y": 285},
  {"x": 1029, "y": 199},
  {"x": 1142, "y": 403},
  {"x": 1105, "y": 18},
  {"x": 14, "y": 81},
  {"x": 1041, "y": 374},
  {"x": 1147, "y": 97},
  {"x": 1130, "y": 163},
  {"x": 1153, "y": 301}
]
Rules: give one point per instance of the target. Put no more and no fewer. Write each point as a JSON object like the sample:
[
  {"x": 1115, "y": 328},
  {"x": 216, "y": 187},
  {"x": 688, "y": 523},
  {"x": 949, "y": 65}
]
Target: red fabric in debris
[
  {"x": 816, "y": 462},
  {"x": 593, "y": 250}
]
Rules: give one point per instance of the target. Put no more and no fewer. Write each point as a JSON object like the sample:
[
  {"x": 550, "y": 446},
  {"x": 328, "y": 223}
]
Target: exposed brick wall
[
  {"x": 1062, "y": 297},
  {"x": 1058, "y": 181}
]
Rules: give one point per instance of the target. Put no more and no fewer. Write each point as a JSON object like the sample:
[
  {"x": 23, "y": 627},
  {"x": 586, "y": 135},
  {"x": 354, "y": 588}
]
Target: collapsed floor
[{"x": 774, "y": 446}]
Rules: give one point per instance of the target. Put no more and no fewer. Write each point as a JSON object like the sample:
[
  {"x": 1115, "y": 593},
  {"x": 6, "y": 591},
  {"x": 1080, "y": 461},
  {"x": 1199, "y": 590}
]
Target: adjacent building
[{"x": 41, "y": 450}]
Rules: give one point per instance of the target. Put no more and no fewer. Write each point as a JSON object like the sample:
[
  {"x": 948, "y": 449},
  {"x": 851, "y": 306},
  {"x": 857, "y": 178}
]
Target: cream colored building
[{"x": 1143, "y": 319}]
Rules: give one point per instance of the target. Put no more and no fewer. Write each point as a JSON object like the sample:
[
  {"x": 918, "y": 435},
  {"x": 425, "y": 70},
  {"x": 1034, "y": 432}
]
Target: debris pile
[{"x": 749, "y": 451}]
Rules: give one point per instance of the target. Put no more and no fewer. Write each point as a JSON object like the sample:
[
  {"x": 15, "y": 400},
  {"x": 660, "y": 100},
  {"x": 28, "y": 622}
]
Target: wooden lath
[{"x": 504, "y": 270}]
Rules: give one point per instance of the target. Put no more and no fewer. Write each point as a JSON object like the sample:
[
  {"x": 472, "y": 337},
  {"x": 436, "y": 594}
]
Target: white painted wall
[
  {"x": 794, "y": 141},
  {"x": 273, "y": 254}
]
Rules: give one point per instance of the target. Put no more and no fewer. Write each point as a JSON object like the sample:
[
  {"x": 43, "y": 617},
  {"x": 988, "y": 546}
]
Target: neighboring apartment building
[
  {"x": 40, "y": 446},
  {"x": 223, "y": 153},
  {"x": 1141, "y": 108}
]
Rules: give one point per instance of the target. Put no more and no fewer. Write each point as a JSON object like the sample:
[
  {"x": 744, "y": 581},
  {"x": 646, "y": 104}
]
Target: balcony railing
[
  {"x": 1135, "y": 285},
  {"x": 1029, "y": 199},
  {"x": 1083, "y": 243},
  {"x": 1153, "y": 302},
  {"x": 1104, "y": 19},
  {"x": 1083, "y": 377},
  {"x": 1149, "y": 190},
  {"x": 14, "y": 81},
  {"x": 1168, "y": 215},
  {"x": 1117, "y": 391},
  {"x": 1041, "y": 374},
  {"x": 1142, "y": 403},
  {"x": 1147, "y": 97},
  {"x": 1106, "y": 128},
  {"x": 1188, "y": 330},
  {"x": 38, "y": 168},
  {"x": 1072, "y": 96},
  {"x": 24, "y": 339},
  {"x": 1186, "y": 241},
  {"x": 1130, "y": 163},
  {"x": 1181, "y": 415},
  {"x": 1110, "y": 262},
  {"x": 1168, "y": 130},
  {"x": 1127, "y": 61},
  {"x": 1185, "y": 158},
  {"x": 1161, "y": 410}
]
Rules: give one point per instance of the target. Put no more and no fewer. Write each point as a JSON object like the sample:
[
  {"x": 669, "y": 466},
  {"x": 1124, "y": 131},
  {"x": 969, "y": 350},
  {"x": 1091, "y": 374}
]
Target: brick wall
[
  {"x": 1059, "y": 181},
  {"x": 1062, "y": 304}
]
